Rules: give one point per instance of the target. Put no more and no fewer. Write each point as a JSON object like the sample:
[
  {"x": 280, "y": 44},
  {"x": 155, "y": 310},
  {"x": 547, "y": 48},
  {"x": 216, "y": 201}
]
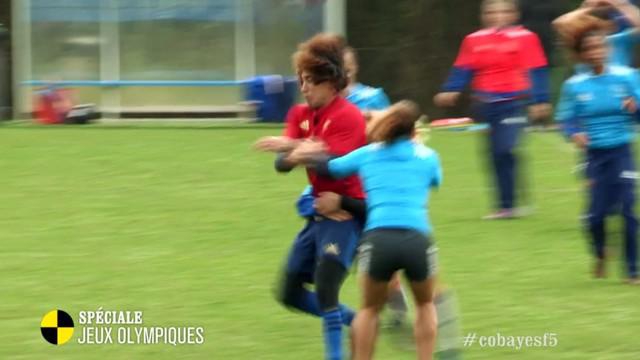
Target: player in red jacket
[
  {"x": 324, "y": 249},
  {"x": 507, "y": 69}
]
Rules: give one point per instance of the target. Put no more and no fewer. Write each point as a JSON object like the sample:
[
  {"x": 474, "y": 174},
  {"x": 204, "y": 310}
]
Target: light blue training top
[
  {"x": 397, "y": 178},
  {"x": 594, "y": 104}
]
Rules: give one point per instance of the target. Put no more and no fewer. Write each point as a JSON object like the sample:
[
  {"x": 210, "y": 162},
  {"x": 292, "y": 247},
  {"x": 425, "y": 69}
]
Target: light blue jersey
[
  {"x": 397, "y": 178},
  {"x": 368, "y": 98},
  {"x": 594, "y": 104}
]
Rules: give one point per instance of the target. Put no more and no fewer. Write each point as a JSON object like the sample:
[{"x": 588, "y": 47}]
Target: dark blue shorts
[{"x": 323, "y": 238}]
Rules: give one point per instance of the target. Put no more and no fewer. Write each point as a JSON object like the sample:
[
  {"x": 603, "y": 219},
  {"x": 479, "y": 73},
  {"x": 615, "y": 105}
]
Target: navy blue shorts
[{"x": 323, "y": 238}]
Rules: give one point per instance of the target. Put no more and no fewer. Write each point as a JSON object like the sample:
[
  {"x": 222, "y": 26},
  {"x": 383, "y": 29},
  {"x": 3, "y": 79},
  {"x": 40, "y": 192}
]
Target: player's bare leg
[
  {"x": 426, "y": 318},
  {"x": 365, "y": 325}
]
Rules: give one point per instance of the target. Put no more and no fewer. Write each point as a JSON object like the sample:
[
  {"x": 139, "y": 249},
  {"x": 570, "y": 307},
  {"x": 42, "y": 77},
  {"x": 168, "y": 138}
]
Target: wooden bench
[{"x": 245, "y": 110}]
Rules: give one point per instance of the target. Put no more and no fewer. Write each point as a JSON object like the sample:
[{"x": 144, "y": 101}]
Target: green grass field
[{"x": 190, "y": 226}]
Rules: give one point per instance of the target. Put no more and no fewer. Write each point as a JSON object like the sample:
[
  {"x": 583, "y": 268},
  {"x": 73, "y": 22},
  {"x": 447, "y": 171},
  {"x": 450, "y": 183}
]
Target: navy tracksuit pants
[
  {"x": 506, "y": 119},
  {"x": 612, "y": 175}
]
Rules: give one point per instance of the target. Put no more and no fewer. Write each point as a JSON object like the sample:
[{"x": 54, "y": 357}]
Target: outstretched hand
[
  {"x": 446, "y": 99},
  {"x": 581, "y": 140},
  {"x": 306, "y": 151},
  {"x": 630, "y": 105},
  {"x": 539, "y": 111},
  {"x": 274, "y": 144}
]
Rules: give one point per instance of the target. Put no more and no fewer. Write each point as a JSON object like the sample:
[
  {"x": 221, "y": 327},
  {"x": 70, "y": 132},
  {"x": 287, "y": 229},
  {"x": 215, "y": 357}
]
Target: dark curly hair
[{"x": 322, "y": 57}]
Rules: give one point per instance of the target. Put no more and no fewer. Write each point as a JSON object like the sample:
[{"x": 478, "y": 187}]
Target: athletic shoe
[{"x": 502, "y": 214}]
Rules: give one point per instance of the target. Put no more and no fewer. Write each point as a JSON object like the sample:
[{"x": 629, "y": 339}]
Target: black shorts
[{"x": 385, "y": 251}]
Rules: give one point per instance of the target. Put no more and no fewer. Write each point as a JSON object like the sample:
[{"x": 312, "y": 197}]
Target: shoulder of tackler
[{"x": 424, "y": 152}]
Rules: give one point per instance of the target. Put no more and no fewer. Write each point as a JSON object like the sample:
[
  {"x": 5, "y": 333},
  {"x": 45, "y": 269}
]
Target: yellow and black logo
[{"x": 57, "y": 327}]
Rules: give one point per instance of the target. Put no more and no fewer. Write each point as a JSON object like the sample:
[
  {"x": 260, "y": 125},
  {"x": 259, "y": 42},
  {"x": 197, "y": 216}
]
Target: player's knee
[
  {"x": 329, "y": 277},
  {"x": 289, "y": 289},
  {"x": 427, "y": 317},
  {"x": 501, "y": 150},
  {"x": 328, "y": 295},
  {"x": 286, "y": 299},
  {"x": 371, "y": 312}
]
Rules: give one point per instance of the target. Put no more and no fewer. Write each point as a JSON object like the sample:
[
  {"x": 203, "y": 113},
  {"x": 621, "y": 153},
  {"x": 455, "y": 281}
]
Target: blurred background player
[
  {"x": 397, "y": 173},
  {"x": 325, "y": 248},
  {"x": 619, "y": 19},
  {"x": 508, "y": 71},
  {"x": 368, "y": 99},
  {"x": 596, "y": 111}
]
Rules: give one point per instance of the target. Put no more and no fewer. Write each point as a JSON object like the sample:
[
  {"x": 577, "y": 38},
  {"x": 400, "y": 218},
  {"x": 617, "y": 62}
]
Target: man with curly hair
[{"x": 324, "y": 249}]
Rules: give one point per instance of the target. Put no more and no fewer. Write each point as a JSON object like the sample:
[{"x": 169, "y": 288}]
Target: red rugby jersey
[
  {"x": 341, "y": 126},
  {"x": 501, "y": 59}
]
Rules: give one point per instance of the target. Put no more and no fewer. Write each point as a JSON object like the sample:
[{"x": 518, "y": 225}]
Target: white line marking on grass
[{"x": 43, "y": 255}]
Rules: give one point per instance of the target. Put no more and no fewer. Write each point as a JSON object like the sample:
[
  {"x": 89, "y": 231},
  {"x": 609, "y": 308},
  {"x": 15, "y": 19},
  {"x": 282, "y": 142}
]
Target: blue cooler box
[{"x": 273, "y": 94}]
